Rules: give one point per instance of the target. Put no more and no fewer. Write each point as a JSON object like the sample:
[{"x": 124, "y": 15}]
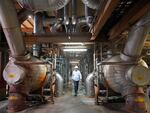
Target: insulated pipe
[
  {"x": 93, "y": 4},
  {"x": 88, "y": 15},
  {"x": 38, "y": 29},
  {"x": 66, "y": 14},
  {"x": 60, "y": 84},
  {"x": 11, "y": 28},
  {"x": 74, "y": 12},
  {"x": 136, "y": 39},
  {"x": 43, "y": 5},
  {"x": 90, "y": 85},
  {"x": 23, "y": 15}
]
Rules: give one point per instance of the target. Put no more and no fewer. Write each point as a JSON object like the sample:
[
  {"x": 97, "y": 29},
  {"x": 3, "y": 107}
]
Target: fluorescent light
[
  {"x": 74, "y": 62},
  {"x": 73, "y": 43},
  {"x": 74, "y": 47},
  {"x": 73, "y": 50}
]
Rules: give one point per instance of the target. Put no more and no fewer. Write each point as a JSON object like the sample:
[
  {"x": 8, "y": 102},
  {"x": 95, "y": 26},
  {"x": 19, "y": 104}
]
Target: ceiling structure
[{"x": 80, "y": 21}]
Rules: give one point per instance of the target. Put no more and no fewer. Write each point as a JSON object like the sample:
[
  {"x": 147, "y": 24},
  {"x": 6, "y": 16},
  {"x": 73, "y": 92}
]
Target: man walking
[{"x": 76, "y": 77}]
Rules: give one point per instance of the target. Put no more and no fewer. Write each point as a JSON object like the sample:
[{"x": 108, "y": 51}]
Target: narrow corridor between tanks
[{"x": 71, "y": 104}]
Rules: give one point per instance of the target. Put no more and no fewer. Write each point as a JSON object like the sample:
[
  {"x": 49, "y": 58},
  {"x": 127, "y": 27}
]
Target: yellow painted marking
[
  {"x": 140, "y": 78},
  {"x": 12, "y": 98},
  {"x": 11, "y": 75},
  {"x": 139, "y": 99}
]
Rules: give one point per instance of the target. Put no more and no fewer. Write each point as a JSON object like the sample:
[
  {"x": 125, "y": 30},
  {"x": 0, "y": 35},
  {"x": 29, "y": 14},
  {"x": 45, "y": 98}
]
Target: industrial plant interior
[{"x": 44, "y": 42}]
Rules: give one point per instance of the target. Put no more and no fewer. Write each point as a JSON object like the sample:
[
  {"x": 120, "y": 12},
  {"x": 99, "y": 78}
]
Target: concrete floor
[{"x": 71, "y": 104}]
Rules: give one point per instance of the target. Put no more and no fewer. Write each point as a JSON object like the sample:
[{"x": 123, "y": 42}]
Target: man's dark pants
[{"x": 76, "y": 84}]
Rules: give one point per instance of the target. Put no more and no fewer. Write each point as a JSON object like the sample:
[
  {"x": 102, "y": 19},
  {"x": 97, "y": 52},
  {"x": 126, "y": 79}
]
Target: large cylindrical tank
[
  {"x": 37, "y": 76},
  {"x": 33, "y": 76},
  {"x": 117, "y": 76}
]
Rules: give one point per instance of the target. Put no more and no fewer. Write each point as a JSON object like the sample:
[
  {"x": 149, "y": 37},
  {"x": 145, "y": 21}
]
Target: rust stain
[{"x": 42, "y": 78}]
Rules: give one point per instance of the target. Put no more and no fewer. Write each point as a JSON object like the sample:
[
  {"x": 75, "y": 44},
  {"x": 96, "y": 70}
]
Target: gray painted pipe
[
  {"x": 74, "y": 11},
  {"x": 90, "y": 85},
  {"x": 60, "y": 84},
  {"x": 11, "y": 28},
  {"x": 136, "y": 38},
  {"x": 93, "y": 4},
  {"x": 66, "y": 14},
  {"x": 43, "y": 5}
]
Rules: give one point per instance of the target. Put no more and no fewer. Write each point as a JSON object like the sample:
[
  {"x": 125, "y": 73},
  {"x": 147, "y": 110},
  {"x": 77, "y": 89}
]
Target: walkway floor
[{"x": 70, "y": 104}]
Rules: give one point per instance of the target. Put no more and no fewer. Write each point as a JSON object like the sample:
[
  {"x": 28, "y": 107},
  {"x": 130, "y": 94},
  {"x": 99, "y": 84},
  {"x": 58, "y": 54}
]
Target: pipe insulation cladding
[
  {"x": 11, "y": 28},
  {"x": 43, "y": 5}
]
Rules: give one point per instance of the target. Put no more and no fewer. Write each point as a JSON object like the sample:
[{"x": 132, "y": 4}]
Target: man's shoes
[{"x": 75, "y": 95}]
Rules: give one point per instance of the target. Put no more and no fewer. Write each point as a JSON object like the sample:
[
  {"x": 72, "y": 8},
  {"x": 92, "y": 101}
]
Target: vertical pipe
[
  {"x": 38, "y": 23},
  {"x": 11, "y": 28},
  {"x": 74, "y": 12},
  {"x": 55, "y": 61},
  {"x": 38, "y": 29},
  {"x": 136, "y": 39},
  {"x": 60, "y": 84},
  {"x": 94, "y": 62},
  {"x": 66, "y": 14}
]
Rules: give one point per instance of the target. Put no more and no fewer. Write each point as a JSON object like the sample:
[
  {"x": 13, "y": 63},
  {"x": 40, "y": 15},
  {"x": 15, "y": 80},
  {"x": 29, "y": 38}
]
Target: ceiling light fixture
[
  {"x": 73, "y": 43},
  {"x": 74, "y": 50}
]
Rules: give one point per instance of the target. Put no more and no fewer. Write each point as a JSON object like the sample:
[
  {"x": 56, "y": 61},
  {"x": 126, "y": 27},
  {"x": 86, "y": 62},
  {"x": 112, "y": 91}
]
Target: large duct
[
  {"x": 43, "y": 5},
  {"x": 135, "y": 40},
  {"x": 11, "y": 28}
]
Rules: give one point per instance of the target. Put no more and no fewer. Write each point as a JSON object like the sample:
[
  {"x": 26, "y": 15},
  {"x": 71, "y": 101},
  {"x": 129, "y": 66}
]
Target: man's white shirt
[{"x": 76, "y": 75}]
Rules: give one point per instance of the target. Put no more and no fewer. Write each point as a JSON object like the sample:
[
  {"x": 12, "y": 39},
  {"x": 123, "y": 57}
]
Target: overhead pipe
[
  {"x": 135, "y": 41},
  {"x": 10, "y": 25},
  {"x": 74, "y": 12},
  {"x": 81, "y": 23},
  {"x": 129, "y": 79},
  {"x": 66, "y": 15},
  {"x": 57, "y": 26},
  {"x": 88, "y": 15},
  {"x": 93, "y": 4},
  {"x": 24, "y": 14},
  {"x": 43, "y": 5}
]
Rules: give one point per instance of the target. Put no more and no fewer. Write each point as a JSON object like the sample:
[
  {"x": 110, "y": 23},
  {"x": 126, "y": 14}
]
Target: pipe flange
[
  {"x": 20, "y": 58},
  {"x": 125, "y": 57}
]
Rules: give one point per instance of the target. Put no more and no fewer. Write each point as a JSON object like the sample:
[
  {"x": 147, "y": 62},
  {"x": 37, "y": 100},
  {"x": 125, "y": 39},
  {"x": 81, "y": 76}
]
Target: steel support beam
[
  {"x": 133, "y": 15},
  {"x": 103, "y": 16},
  {"x": 58, "y": 38}
]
